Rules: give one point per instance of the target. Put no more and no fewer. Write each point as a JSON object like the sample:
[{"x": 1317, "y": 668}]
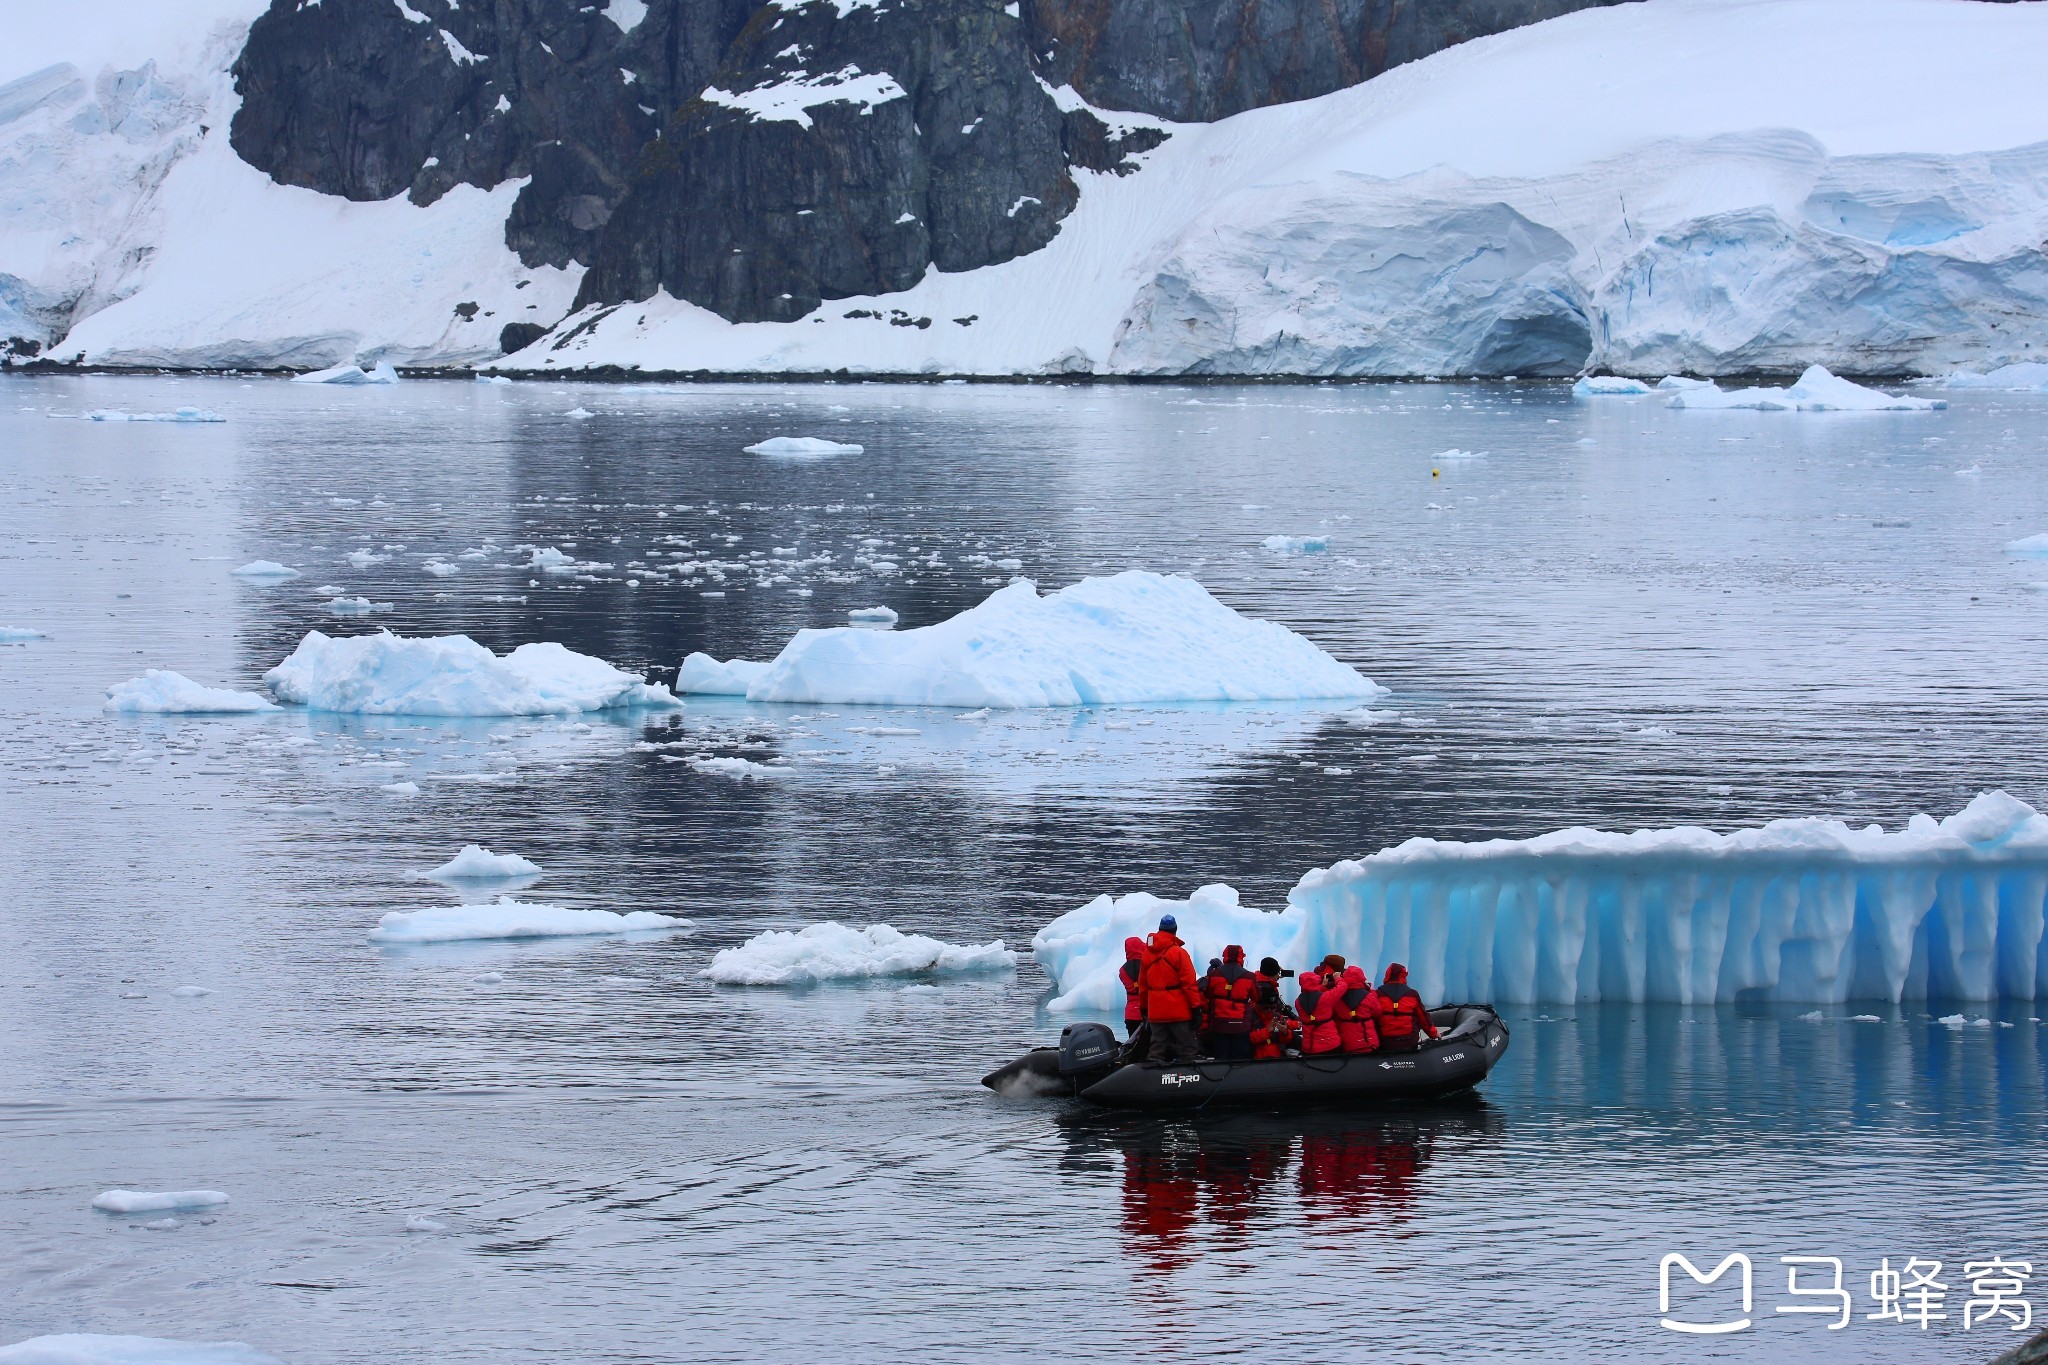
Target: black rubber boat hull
[{"x": 1443, "y": 1067}]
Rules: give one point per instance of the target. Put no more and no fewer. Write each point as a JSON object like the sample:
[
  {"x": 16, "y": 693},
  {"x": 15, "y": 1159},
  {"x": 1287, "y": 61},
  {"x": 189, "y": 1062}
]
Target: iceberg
[
  {"x": 452, "y": 675},
  {"x": 1134, "y": 637},
  {"x": 801, "y": 445},
  {"x": 476, "y": 863},
  {"x": 87, "y": 1348},
  {"x": 512, "y": 919},
  {"x": 2026, "y": 376},
  {"x": 199, "y": 415},
  {"x": 348, "y": 374},
  {"x": 493, "y": 379},
  {"x": 876, "y": 616},
  {"x": 162, "y": 692},
  {"x": 1809, "y": 910},
  {"x": 838, "y": 952},
  {"x": 1295, "y": 545},
  {"x": 264, "y": 568},
  {"x": 138, "y": 1201},
  {"x": 1609, "y": 386},
  {"x": 1816, "y": 390},
  {"x": 2029, "y": 547},
  {"x": 17, "y": 635}
]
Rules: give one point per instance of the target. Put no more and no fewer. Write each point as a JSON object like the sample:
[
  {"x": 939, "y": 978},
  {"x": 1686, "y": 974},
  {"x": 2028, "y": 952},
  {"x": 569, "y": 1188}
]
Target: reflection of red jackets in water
[
  {"x": 1134, "y": 1004},
  {"x": 1356, "y": 1031},
  {"x": 1167, "y": 975},
  {"x": 1317, "y": 1008},
  {"x": 1399, "y": 1012}
]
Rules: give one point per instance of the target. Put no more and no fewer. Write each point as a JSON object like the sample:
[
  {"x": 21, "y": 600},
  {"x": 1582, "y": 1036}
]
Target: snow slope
[
  {"x": 1804, "y": 910},
  {"x": 1702, "y": 186},
  {"x": 128, "y": 221}
]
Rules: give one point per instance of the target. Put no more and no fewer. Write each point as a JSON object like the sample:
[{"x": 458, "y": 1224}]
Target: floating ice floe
[
  {"x": 1295, "y": 545},
  {"x": 198, "y": 415},
  {"x": 1456, "y": 454},
  {"x": 493, "y": 379},
  {"x": 160, "y": 691},
  {"x": 452, "y": 675},
  {"x": 2026, "y": 376},
  {"x": 1815, "y": 391},
  {"x": 2029, "y": 547},
  {"x": 142, "y": 1201},
  {"x": 1609, "y": 386},
  {"x": 579, "y": 413},
  {"x": 878, "y": 616},
  {"x": 363, "y": 559},
  {"x": 1805, "y": 910},
  {"x": 476, "y": 863},
  {"x": 18, "y": 635},
  {"x": 1678, "y": 383},
  {"x": 356, "y": 606},
  {"x": 401, "y": 788},
  {"x": 88, "y": 1348},
  {"x": 264, "y": 568},
  {"x": 348, "y": 374},
  {"x": 416, "y": 1222},
  {"x": 190, "y": 992},
  {"x": 801, "y": 445},
  {"x": 738, "y": 769},
  {"x": 1134, "y": 637},
  {"x": 508, "y": 918},
  {"x": 838, "y": 952}
]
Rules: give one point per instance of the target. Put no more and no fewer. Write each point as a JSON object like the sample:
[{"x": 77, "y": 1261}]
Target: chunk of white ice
[
  {"x": 264, "y": 568},
  {"x": 1609, "y": 386},
  {"x": 356, "y": 606},
  {"x": 348, "y": 374},
  {"x": 1817, "y": 390},
  {"x": 452, "y": 675},
  {"x": 145, "y": 1201},
  {"x": 88, "y": 1348},
  {"x": 160, "y": 691},
  {"x": 838, "y": 952},
  {"x": 476, "y": 863},
  {"x": 508, "y": 918},
  {"x": 1295, "y": 545},
  {"x": 801, "y": 445}
]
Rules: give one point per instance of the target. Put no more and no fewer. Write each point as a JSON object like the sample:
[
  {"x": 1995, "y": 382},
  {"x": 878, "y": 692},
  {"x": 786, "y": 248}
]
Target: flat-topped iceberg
[
  {"x": 1797, "y": 910},
  {"x": 508, "y": 918},
  {"x": 193, "y": 415},
  {"x": 151, "y": 1201},
  {"x": 838, "y": 952},
  {"x": 1816, "y": 390},
  {"x": 159, "y": 691},
  {"x": 2026, "y": 376},
  {"x": 92, "y": 1348},
  {"x": 1134, "y": 637},
  {"x": 348, "y": 374},
  {"x": 801, "y": 445},
  {"x": 1609, "y": 386},
  {"x": 452, "y": 675}
]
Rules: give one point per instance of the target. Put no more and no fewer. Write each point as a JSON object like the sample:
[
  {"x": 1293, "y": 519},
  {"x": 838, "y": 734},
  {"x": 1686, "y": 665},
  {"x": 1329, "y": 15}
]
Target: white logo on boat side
[
  {"x": 1389, "y": 1066},
  {"x": 1454, "y": 1057},
  {"x": 1179, "y": 1078}
]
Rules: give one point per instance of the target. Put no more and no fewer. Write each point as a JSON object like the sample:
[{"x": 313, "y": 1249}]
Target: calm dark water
[{"x": 1617, "y": 615}]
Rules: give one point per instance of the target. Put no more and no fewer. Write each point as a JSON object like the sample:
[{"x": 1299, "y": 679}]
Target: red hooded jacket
[
  {"x": 1398, "y": 1010},
  {"x": 1356, "y": 1030},
  {"x": 1166, "y": 974},
  {"x": 1317, "y": 1008},
  {"x": 1229, "y": 988},
  {"x": 1134, "y": 1003}
]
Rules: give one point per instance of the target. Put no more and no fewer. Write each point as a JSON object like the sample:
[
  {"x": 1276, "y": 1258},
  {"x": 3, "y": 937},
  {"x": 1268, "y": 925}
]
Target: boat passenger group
[{"x": 1234, "y": 1014}]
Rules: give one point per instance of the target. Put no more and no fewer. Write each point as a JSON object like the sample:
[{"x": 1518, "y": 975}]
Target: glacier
[
  {"x": 1809, "y": 910},
  {"x": 1131, "y": 637}
]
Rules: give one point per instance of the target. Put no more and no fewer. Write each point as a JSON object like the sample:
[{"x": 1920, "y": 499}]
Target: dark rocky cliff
[{"x": 758, "y": 158}]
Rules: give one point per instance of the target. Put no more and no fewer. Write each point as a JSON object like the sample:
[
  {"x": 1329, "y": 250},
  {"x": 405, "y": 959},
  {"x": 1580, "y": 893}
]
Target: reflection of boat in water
[
  {"x": 1087, "y": 1063},
  {"x": 1228, "y": 1179}
]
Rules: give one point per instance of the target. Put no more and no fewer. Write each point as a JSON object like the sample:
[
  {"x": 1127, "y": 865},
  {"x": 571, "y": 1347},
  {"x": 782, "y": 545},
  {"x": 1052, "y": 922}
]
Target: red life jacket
[
  {"x": 1317, "y": 1008},
  {"x": 1134, "y": 1006},
  {"x": 1355, "y": 1029},
  {"x": 1172, "y": 991},
  {"x": 1398, "y": 1012},
  {"x": 1229, "y": 989},
  {"x": 1273, "y": 1037}
]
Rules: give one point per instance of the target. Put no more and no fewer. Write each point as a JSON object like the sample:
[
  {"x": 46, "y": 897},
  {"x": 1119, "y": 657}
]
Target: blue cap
[{"x": 1168, "y": 924}]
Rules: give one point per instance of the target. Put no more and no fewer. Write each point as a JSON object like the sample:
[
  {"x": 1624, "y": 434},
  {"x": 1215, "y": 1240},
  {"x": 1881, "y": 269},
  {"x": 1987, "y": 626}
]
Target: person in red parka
[
  {"x": 1317, "y": 1009},
  {"x": 1173, "y": 995},
  {"x": 1228, "y": 990},
  {"x": 1134, "y": 998},
  {"x": 1356, "y": 1029},
  {"x": 1399, "y": 1013}
]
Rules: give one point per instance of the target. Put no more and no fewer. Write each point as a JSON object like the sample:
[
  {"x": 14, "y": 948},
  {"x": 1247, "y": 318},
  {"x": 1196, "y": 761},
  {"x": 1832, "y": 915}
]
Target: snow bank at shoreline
[
  {"x": 1134, "y": 637},
  {"x": 1797, "y": 910}
]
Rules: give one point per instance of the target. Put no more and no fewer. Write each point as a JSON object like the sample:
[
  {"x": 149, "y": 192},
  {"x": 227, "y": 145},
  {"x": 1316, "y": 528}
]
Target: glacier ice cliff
[{"x": 1796, "y": 910}]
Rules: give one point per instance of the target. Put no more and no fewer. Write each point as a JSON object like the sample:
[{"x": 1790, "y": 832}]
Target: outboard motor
[{"x": 1085, "y": 1048}]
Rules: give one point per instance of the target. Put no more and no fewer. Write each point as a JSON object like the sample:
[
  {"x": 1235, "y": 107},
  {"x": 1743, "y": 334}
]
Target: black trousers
[
  {"x": 1173, "y": 1042},
  {"x": 1228, "y": 1047}
]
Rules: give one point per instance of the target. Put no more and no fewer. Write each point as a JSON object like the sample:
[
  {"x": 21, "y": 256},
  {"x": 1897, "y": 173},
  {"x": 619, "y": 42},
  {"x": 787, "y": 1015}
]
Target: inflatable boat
[{"x": 1088, "y": 1062}]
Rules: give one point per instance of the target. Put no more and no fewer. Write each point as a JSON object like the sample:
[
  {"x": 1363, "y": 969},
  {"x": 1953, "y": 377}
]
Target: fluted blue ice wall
[{"x": 1799, "y": 910}]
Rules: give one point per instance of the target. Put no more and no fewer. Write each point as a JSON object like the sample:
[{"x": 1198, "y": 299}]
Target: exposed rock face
[
  {"x": 859, "y": 150},
  {"x": 371, "y": 98},
  {"x": 1195, "y": 61}
]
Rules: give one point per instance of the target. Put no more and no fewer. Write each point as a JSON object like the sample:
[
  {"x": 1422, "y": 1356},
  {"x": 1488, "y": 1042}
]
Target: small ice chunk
[
  {"x": 348, "y": 374},
  {"x": 264, "y": 568},
  {"x": 164, "y": 1225},
  {"x": 1454, "y": 454},
  {"x": 1295, "y": 545},
  {"x": 707, "y": 676},
  {"x": 874, "y": 615},
  {"x": 401, "y": 788},
  {"x": 493, "y": 379},
  {"x": 476, "y": 863},
  {"x": 801, "y": 445},
  {"x": 440, "y": 568},
  {"x": 738, "y": 769},
  {"x": 14, "y": 635},
  {"x": 579, "y": 413},
  {"x": 838, "y": 952},
  {"x": 85, "y": 1348},
  {"x": 190, "y": 992},
  {"x": 356, "y": 606},
  {"x": 452, "y": 675},
  {"x": 200, "y": 415},
  {"x": 489, "y": 979},
  {"x": 2029, "y": 547},
  {"x": 415, "y": 1222},
  {"x": 511, "y": 919},
  {"x": 1609, "y": 386},
  {"x": 1865, "y": 1019},
  {"x": 1363, "y": 716},
  {"x": 2024, "y": 376},
  {"x": 145, "y": 1201},
  {"x": 1812, "y": 1016},
  {"x": 159, "y": 691},
  {"x": 548, "y": 557},
  {"x": 1817, "y": 390}
]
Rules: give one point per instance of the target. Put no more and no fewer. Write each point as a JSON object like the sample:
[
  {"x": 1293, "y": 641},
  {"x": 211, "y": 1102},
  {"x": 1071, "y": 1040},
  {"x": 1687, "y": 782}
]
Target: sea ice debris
[
  {"x": 801, "y": 445},
  {"x": 264, "y": 568},
  {"x": 2026, "y": 375},
  {"x": 838, "y": 952},
  {"x": 199, "y": 415},
  {"x": 417, "y": 1222},
  {"x": 508, "y": 918},
  {"x": 1295, "y": 545},
  {"x": 1817, "y": 390},
  {"x": 14, "y": 635},
  {"x": 2029, "y": 547},
  {"x": 348, "y": 374},
  {"x": 476, "y": 863},
  {"x": 1608, "y": 386},
  {"x": 142, "y": 1201},
  {"x": 356, "y": 606},
  {"x": 159, "y": 691},
  {"x": 702, "y": 674},
  {"x": 190, "y": 992},
  {"x": 884, "y": 616},
  {"x": 452, "y": 675},
  {"x": 85, "y": 1348}
]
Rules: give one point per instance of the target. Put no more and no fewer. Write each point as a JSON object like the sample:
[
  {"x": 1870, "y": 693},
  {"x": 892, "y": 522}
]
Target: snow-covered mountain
[{"x": 1712, "y": 186}]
